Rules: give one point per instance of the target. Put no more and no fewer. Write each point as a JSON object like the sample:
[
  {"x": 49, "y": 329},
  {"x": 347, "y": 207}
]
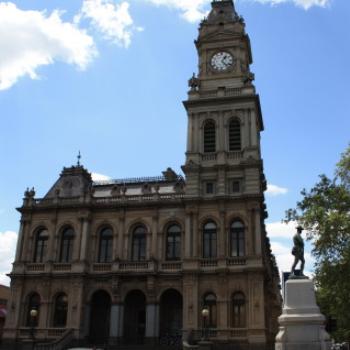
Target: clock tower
[{"x": 224, "y": 117}]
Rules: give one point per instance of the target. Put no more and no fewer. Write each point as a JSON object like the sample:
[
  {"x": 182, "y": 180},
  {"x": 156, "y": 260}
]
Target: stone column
[
  {"x": 20, "y": 240},
  {"x": 254, "y": 129},
  {"x": 188, "y": 235},
  {"x": 152, "y": 321},
  {"x": 257, "y": 232},
  {"x": 84, "y": 237},
  {"x": 115, "y": 244},
  {"x": 121, "y": 235},
  {"x": 53, "y": 242},
  {"x": 154, "y": 237},
  {"x": 222, "y": 235},
  {"x": 196, "y": 236}
]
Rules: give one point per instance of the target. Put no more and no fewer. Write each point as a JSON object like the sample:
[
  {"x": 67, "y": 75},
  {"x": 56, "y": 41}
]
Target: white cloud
[
  {"x": 191, "y": 10},
  {"x": 195, "y": 10},
  {"x": 30, "y": 39},
  {"x": 281, "y": 230},
  {"x": 305, "y": 4},
  {"x": 273, "y": 190},
  {"x": 111, "y": 19},
  {"x": 8, "y": 240},
  {"x": 99, "y": 177}
]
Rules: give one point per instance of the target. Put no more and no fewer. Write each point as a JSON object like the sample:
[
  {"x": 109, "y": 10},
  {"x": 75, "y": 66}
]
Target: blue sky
[{"x": 108, "y": 77}]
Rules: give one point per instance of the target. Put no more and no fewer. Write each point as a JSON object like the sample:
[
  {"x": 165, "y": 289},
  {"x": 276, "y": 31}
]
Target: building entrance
[
  {"x": 134, "y": 317},
  {"x": 170, "y": 314},
  {"x": 100, "y": 308}
]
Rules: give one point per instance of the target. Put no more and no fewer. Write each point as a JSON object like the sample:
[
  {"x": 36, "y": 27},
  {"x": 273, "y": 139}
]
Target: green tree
[{"x": 324, "y": 211}]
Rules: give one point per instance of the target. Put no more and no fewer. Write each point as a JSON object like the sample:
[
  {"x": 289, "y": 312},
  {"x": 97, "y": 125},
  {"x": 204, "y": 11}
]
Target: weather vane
[{"x": 79, "y": 157}]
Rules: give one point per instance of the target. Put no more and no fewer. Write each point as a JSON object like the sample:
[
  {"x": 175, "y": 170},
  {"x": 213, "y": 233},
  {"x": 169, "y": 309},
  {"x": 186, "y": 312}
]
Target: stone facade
[{"x": 134, "y": 260}]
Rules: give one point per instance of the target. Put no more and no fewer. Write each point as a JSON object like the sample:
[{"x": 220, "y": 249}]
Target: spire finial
[{"x": 78, "y": 157}]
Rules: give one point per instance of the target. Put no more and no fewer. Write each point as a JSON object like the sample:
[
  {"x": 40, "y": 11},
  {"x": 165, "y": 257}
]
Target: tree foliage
[{"x": 324, "y": 212}]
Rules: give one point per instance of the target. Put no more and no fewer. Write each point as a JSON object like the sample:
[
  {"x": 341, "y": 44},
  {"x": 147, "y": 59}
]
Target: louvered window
[
  {"x": 209, "y": 137},
  {"x": 234, "y": 135}
]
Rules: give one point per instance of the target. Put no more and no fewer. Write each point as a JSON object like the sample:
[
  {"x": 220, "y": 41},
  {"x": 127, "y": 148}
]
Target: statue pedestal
[{"x": 301, "y": 322}]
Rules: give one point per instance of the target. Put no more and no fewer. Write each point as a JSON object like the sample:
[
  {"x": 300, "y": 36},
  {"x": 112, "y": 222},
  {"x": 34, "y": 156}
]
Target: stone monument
[{"x": 301, "y": 323}]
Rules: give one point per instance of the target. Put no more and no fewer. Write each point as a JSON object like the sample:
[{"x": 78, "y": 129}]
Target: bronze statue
[{"x": 298, "y": 251}]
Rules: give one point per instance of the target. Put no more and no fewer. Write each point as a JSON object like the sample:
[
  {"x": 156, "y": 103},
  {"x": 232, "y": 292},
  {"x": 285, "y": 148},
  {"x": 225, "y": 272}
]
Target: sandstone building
[{"x": 134, "y": 260}]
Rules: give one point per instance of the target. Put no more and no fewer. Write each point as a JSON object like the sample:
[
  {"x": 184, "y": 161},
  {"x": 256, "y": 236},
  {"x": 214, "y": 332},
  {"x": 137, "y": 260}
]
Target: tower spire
[{"x": 78, "y": 158}]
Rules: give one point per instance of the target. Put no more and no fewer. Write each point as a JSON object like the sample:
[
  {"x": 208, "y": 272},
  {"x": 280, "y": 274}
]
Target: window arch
[
  {"x": 41, "y": 239},
  {"x": 209, "y": 302},
  {"x": 238, "y": 310},
  {"x": 234, "y": 133},
  {"x": 33, "y": 303},
  {"x": 67, "y": 241},
  {"x": 173, "y": 243},
  {"x": 237, "y": 238},
  {"x": 209, "y": 136},
  {"x": 105, "y": 245},
  {"x": 209, "y": 240},
  {"x": 138, "y": 251},
  {"x": 60, "y": 311}
]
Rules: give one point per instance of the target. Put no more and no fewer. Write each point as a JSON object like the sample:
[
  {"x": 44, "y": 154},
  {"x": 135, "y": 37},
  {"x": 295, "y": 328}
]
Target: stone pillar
[
  {"x": 188, "y": 235},
  {"x": 257, "y": 225},
  {"x": 222, "y": 236},
  {"x": 196, "y": 236},
  {"x": 301, "y": 322},
  {"x": 84, "y": 238},
  {"x": 254, "y": 129},
  {"x": 190, "y": 302},
  {"x": 154, "y": 237},
  {"x": 121, "y": 235},
  {"x": 53, "y": 245},
  {"x": 20, "y": 240},
  {"x": 152, "y": 321},
  {"x": 115, "y": 244}
]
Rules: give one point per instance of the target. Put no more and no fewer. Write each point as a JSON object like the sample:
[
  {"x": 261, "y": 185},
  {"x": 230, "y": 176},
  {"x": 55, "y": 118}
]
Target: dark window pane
[
  {"x": 173, "y": 249},
  {"x": 238, "y": 311},
  {"x": 60, "y": 313},
  {"x": 139, "y": 244},
  {"x": 209, "y": 187},
  {"x": 209, "y": 137},
  {"x": 235, "y": 186},
  {"x": 40, "y": 246},
  {"x": 234, "y": 135},
  {"x": 67, "y": 245},
  {"x": 209, "y": 240},
  {"x": 210, "y": 304},
  {"x": 106, "y": 244},
  {"x": 237, "y": 239}
]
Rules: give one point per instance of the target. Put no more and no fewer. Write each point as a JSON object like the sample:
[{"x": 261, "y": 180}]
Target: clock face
[{"x": 222, "y": 61}]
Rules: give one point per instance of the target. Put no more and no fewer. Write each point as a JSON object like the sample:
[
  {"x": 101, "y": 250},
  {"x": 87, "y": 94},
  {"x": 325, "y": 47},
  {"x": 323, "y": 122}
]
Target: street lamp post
[
  {"x": 205, "y": 315},
  {"x": 33, "y": 320}
]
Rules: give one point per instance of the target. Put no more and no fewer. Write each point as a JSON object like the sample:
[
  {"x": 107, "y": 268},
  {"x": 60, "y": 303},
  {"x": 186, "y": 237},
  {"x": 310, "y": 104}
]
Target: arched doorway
[
  {"x": 170, "y": 313},
  {"x": 134, "y": 317},
  {"x": 100, "y": 308}
]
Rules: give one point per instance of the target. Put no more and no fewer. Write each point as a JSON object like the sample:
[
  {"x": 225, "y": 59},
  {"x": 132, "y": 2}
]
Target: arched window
[
  {"x": 67, "y": 245},
  {"x": 105, "y": 246},
  {"x": 237, "y": 239},
  {"x": 234, "y": 135},
  {"x": 41, "y": 245},
  {"x": 209, "y": 302},
  {"x": 173, "y": 245},
  {"x": 60, "y": 313},
  {"x": 139, "y": 244},
  {"x": 209, "y": 137},
  {"x": 238, "y": 310},
  {"x": 209, "y": 240},
  {"x": 33, "y": 304}
]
